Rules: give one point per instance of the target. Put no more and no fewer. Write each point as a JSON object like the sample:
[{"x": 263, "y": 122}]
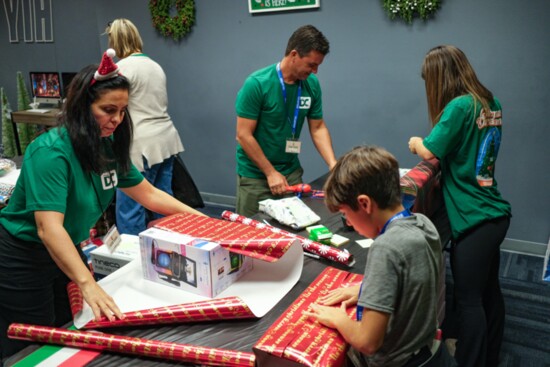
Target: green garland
[
  {"x": 408, "y": 9},
  {"x": 172, "y": 26}
]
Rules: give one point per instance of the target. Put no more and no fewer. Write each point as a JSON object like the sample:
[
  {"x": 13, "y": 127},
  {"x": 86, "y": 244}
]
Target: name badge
[
  {"x": 112, "y": 239},
  {"x": 293, "y": 146}
]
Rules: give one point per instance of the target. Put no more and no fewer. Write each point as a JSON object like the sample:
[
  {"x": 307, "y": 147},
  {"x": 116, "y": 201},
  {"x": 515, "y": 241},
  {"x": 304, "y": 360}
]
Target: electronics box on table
[
  {"x": 104, "y": 261},
  {"x": 188, "y": 263}
]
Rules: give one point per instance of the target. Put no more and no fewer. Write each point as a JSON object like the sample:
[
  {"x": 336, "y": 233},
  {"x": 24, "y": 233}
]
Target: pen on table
[{"x": 312, "y": 255}]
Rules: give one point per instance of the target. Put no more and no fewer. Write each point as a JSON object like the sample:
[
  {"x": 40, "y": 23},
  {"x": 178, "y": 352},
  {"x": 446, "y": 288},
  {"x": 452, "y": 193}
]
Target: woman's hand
[
  {"x": 416, "y": 146},
  {"x": 413, "y": 144},
  {"x": 100, "y": 302}
]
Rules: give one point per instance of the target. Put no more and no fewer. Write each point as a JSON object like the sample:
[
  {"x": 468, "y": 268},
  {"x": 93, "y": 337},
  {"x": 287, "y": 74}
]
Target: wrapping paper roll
[
  {"x": 133, "y": 346},
  {"x": 317, "y": 248},
  {"x": 229, "y": 308},
  {"x": 261, "y": 244}
]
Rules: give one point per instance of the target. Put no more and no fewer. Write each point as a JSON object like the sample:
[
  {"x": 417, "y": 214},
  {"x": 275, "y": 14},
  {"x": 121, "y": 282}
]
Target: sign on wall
[
  {"x": 257, "y": 6},
  {"x": 33, "y": 17}
]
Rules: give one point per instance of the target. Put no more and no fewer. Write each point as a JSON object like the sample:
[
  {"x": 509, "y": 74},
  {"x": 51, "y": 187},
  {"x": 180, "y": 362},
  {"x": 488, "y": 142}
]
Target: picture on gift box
[
  {"x": 173, "y": 267},
  {"x": 236, "y": 262}
]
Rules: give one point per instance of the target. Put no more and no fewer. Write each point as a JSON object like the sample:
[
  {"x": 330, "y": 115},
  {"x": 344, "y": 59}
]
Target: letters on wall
[{"x": 33, "y": 17}]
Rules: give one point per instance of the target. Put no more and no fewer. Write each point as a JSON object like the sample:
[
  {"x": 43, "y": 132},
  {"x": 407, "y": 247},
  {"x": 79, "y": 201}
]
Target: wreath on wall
[
  {"x": 408, "y": 9},
  {"x": 176, "y": 26}
]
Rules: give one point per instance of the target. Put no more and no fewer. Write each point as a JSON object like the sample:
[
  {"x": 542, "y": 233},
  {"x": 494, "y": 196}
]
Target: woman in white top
[{"x": 156, "y": 140}]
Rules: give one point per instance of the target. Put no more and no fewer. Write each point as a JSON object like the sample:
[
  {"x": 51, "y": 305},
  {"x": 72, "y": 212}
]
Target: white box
[
  {"x": 104, "y": 262},
  {"x": 190, "y": 264}
]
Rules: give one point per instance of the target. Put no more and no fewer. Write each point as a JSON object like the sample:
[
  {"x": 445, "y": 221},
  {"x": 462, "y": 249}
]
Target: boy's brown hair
[{"x": 365, "y": 170}]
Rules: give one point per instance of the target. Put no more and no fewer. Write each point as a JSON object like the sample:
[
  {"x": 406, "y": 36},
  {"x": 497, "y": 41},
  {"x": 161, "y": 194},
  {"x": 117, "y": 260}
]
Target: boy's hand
[
  {"x": 346, "y": 296},
  {"x": 328, "y": 316}
]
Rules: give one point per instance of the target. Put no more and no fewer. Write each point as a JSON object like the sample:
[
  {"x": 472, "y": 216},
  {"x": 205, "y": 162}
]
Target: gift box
[
  {"x": 191, "y": 264},
  {"x": 296, "y": 340},
  {"x": 105, "y": 261}
]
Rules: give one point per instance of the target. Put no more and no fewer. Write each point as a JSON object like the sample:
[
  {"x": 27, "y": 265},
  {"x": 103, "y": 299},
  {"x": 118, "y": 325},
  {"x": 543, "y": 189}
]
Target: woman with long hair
[
  {"x": 68, "y": 179},
  {"x": 466, "y": 137}
]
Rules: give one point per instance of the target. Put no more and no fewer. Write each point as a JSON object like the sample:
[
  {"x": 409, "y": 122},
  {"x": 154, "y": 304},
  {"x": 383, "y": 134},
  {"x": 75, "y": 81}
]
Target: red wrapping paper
[
  {"x": 261, "y": 244},
  {"x": 133, "y": 346},
  {"x": 308, "y": 245},
  {"x": 229, "y": 308},
  {"x": 297, "y": 340},
  {"x": 422, "y": 183}
]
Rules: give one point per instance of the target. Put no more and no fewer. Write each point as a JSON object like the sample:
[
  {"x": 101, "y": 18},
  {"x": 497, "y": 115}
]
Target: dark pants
[
  {"x": 475, "y": 262},
  {"x": 423, "y": 358},
  {"x": 131, "y": 216},
  {"x": 32, "y": 289}
]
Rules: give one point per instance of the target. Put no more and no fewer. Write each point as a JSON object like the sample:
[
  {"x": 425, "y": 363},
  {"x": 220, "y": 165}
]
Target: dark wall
[{"x": 371, "y": 81}]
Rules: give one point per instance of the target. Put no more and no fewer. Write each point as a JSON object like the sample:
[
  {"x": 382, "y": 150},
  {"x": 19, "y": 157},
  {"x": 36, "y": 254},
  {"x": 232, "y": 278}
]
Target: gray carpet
[{"x": 527, "y": 299}]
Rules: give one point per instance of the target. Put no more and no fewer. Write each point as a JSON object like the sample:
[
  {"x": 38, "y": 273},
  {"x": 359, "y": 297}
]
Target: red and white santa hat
[{"x": 107, "y": 69}]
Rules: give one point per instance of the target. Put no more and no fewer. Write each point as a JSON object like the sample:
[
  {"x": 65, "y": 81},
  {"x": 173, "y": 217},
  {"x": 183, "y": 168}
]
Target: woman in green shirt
[
  {"x": 68, "y": 178},
  {"x": 466, "y": 136}
]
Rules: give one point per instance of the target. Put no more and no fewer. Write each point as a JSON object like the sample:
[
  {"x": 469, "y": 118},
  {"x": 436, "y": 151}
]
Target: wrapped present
[
  {"x": 132, "y": 346},
  {"x": 229, "y": 308},
  {"x": 420, "y": 187},
  {"x": 297, "y": 340},
  {"x": 325, "y": 251}
]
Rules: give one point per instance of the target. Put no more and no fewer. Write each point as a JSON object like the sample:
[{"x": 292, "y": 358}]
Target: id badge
[
  {"x": 293, "y": 146},
  {"x": 112, "y": 239}
]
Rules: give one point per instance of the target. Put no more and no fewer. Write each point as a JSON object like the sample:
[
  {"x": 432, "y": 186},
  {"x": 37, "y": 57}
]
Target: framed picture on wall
[{"x": 258, "y": 6}]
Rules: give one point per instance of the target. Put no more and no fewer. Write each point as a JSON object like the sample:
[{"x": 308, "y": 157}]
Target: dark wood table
[{"x": 237, "y": 334}]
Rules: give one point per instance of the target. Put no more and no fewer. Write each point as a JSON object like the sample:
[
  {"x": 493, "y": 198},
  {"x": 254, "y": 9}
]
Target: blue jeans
[{"x": 131, "y": 217}]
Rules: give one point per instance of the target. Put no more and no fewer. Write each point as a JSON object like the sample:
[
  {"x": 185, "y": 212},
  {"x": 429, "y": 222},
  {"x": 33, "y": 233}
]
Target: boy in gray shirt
[{"x": 397, "y": 301}]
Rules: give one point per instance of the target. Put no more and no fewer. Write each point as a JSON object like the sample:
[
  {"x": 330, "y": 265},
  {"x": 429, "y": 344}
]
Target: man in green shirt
[{"x": 271, "y": 108}]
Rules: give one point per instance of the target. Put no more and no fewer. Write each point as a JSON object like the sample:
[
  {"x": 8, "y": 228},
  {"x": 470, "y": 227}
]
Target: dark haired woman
[
  {"x": 466, "y": 135},
  {"x": 68, "y": 178}
]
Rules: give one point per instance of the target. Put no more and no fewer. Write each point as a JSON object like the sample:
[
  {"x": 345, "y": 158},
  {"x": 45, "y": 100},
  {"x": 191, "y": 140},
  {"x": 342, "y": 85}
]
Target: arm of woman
[
  {"x": 64, "y": 253},
  {"x": 416, "y": 146},
  {"x": 157, "y": 200}
]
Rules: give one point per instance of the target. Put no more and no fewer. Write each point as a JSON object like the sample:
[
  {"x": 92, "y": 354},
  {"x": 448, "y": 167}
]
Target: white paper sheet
[
  {"x": 260, "y": 289},
  {"x": 11, "y": 177}
]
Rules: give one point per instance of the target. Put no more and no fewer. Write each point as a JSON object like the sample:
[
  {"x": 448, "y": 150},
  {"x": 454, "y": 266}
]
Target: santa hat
[{"x": 107, "y": 69}]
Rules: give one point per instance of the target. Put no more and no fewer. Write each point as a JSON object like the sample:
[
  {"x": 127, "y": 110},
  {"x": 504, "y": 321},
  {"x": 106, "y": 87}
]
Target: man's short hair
[
  {"x": 365, "y": 170},
  {"x": 305, "y": 39}
]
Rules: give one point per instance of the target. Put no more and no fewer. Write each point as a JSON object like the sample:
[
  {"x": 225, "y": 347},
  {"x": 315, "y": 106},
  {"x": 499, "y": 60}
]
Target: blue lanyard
[
  {"x": 405, "y": 213},
  {"x": 297, "y": 109}
]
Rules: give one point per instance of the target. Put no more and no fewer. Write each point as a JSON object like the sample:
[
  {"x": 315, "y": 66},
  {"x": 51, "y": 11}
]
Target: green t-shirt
[
  {"x": 467, "y": 144},
  {"x": 52, "y": 179},
  {"x": 261, "y": 99}
]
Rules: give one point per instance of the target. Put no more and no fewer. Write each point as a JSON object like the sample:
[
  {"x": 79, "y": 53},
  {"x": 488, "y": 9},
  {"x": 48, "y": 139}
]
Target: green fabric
[
  {"x": 261, "y": 99},
  {"x": 467, "y": 145},
  {"x": 52, "y": 179}
]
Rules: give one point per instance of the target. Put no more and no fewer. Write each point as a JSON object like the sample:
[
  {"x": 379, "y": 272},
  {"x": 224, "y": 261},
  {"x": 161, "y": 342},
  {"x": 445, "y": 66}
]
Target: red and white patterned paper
[
  {"x": 298, "y": 338},
  {"x": 325, "y": 251}
]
